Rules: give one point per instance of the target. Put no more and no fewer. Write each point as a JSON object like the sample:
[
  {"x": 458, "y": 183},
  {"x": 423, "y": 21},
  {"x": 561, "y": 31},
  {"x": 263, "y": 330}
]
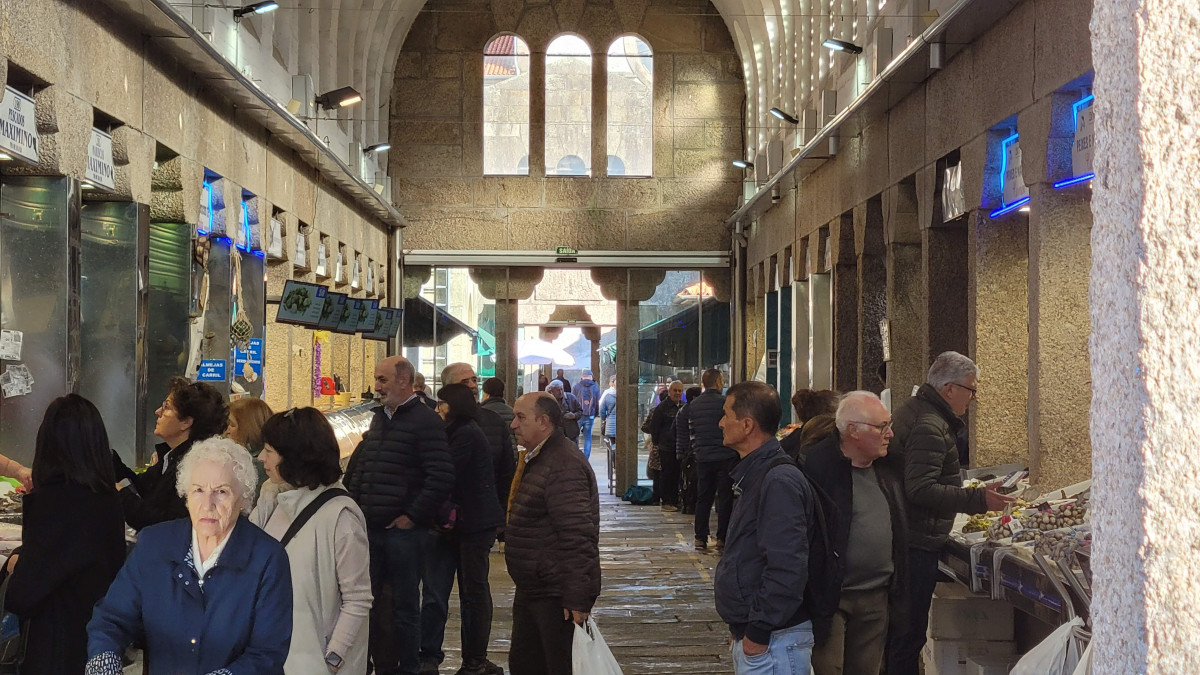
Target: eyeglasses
[
  {"x": 882, "y": 427},
  {"x": 974, "y": 391}
]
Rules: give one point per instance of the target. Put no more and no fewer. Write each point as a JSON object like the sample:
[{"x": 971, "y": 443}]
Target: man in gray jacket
[
  {"x": 926, "y": 427},
  {"x": 759, "y": 583}
]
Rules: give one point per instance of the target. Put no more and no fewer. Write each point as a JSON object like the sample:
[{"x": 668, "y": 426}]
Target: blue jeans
[
  {"x": 448, "y": 554},
  {"x": 790, "y": 653},
  {"x": 397, "y": 560},
  {"x": 585, "y": 430}
]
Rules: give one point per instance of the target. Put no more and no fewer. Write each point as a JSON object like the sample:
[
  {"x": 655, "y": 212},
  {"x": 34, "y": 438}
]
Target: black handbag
[{"x": 14, "y": 634}]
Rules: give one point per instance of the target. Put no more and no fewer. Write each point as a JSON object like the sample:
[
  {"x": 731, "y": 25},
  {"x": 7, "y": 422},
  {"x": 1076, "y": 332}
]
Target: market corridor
[{"x": 656, "y": 608}]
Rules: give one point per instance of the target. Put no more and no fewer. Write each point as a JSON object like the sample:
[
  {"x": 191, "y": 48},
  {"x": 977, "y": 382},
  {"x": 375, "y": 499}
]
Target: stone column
[
  {"x": 905, "y": 291},
  {"x": 507, "y": 287},
  {"x": 845, "y": 303},
  {"x": 1060, "y": 227},
  {"x": 820, "y": 312},
  {"x": 997, "y": 317},
  {"x": 1145, "y": 338},
  {"x": 801, "y": 377},
  {"x": 629, "y": 288},
  {"x": 592, "y": 334},
  {"x": 872, "y": 290}
]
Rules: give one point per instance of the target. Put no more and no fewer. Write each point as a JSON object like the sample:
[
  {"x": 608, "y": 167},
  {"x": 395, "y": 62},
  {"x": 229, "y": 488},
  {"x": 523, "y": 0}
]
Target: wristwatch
[{"x": 333, "y": 661}]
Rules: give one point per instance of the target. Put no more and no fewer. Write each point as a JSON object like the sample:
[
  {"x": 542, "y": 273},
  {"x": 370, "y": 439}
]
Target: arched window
[
  {"x": 506, "y": 106},
  {"x": 568, "y": 107},
  {"x": 631, "y": 105}
]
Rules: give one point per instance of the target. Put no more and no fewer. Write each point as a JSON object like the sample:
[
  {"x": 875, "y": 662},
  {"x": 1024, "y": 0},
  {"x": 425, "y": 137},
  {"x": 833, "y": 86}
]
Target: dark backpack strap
[{"x": 311, "y": 510}]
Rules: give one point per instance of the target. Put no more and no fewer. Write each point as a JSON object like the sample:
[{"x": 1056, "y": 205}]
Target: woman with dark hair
[
  {"x": 814, "y": 419},
  {"x": 192, "y": 412},
  {"x": 329, "y": 556},
  {"x": 463, "y": 550},
  {"x": 73, "y": 538}
]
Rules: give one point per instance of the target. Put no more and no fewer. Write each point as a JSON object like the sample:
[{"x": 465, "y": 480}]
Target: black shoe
[
  {"x": 480, "y": 667},
  {"x": 428, "y": 668}
]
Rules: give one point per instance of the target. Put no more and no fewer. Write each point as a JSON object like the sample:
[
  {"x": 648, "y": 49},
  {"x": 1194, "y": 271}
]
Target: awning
[
  {"x": 675, "y": 340},
  {"x": 428, "y": 326}
]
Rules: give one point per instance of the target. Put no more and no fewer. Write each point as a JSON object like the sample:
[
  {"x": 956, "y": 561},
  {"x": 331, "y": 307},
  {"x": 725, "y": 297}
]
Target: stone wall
[
  {"x": 80, "y": 58},
  {"x": 982, "y": 282},
  {"x": 436, "y": 133}
]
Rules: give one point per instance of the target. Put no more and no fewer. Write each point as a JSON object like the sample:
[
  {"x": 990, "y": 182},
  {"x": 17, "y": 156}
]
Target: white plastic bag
[
  {"x": 1085, "y": 662},
  {"x": 1058, "y": 654},
  {"x": 589, "y": 652}
]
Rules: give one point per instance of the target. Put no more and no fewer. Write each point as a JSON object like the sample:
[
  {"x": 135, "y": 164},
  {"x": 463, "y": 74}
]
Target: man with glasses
[
  {"x": 867, "y": 532},
  {"x": 926, "y": 427}
]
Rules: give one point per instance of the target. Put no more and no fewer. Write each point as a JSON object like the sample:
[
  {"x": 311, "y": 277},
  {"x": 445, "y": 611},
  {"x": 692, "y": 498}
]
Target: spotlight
[
  {"x": 842, "y": 46},
  {"x": 743, "y": 164},
  {"x": 339, "y": 98},
  {"x": 255, "y": 8},
  {"x": 783, "y": 116},
  {"x": 378, "y": 147}
]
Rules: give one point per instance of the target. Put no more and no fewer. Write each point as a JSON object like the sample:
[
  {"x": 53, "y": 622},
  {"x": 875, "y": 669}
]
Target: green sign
[{"x": 565, "y": 250}]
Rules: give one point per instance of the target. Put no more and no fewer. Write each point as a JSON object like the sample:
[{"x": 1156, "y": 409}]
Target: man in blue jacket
[
  {"x": 588, "y": 393},
  {"x": 714, "y": 460},
  {"x": 759, "y": 583}
]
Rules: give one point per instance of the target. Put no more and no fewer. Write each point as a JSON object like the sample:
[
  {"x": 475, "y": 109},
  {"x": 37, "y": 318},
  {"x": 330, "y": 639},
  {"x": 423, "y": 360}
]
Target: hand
[
  {"x": 995, "y": 500},
  {"x": 403, "y": 523},
  {"x": 752, "y": 648},
  {"x": 579, "y": 618},
  {"x": 25, "y": 476},
  {"x": 12, "y": 562}
]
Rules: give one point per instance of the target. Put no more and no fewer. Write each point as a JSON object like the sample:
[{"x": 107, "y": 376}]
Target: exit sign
[{"x": 565, "y": 250}]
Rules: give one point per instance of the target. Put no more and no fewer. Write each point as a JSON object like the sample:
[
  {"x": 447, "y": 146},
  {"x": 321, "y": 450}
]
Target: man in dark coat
[
  {"x": 494, "y": 426},
  {"x": 926, "y": 428},
  {"x": 588, "y": 393},
  {"x": 867, "y": 532},
  {"x": 552, "y": 546},
  {"x": 662, "y": 433},
  {"x": 714, "y": 460},
  {"x": 400, "y": 475},
  {"x": 759, "y": 583},
  {"x": 563, "y": 378}
]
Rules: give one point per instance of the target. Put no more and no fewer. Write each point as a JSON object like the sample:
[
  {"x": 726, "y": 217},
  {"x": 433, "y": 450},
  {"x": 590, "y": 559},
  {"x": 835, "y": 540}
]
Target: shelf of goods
[{"x": 1035, "y": 555}]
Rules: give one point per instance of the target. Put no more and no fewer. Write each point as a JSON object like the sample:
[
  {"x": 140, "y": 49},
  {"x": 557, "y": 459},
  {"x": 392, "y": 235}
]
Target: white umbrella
[{"x": 540, "y": 352}]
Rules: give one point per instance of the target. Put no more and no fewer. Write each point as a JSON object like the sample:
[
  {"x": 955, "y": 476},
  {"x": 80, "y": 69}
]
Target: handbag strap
[{"x": 311, "y": 510}]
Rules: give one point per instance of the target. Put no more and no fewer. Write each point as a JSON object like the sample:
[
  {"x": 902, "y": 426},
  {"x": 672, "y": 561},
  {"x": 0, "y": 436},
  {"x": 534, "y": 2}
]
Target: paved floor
[{"x": 656, "y": 609}]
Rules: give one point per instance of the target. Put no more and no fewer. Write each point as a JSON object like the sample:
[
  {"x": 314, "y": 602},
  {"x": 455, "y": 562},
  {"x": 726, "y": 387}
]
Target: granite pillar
[
  {"x": 1145, "y": 337},
  {"x": 845, "y": 303},
  {"x": 872, "y": 291},
  {"x": 507, "y": 287},
  {"x": 905, "y": 291}
]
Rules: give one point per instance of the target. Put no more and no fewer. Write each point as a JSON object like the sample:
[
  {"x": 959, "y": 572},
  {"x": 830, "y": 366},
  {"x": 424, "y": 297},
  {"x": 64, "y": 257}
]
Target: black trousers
[
  {"x": 668, "y": 479},
  {"x": 907, "y": 638},
  {"x": 541, "y": 637},
  {"x": 446, "y": 554},
  {"x": 713, "y": 482}
]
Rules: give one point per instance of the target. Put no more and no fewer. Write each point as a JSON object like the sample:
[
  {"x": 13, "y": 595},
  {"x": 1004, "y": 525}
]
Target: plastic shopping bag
[
  {"x": 1056, "y": 655},
  {"x": 590, "y": 654},
  {"x": 1085, "y": 662}
]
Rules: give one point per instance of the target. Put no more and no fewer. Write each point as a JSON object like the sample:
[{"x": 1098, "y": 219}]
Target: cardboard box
[
  {"x": 991, "y": 665},
  {"x": 952, "y": 657},
  {"x": 958, "y": 614}
]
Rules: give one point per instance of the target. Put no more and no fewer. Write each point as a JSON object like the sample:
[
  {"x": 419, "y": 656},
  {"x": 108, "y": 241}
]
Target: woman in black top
[
  {"x": 464, "y": 549},
  {"x": 192, "y": 412},
  {"x": 72, "y": 535}
]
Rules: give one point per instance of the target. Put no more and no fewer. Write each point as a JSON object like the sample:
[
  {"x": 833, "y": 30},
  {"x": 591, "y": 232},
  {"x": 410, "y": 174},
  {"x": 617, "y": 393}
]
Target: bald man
[{"x": 400, "y": 475}]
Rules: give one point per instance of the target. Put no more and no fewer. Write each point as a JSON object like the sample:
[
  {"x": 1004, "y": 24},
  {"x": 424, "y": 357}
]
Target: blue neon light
[
  {"x": 222, "y": 240},
  {"x": 1074, "y": 181},
  {"x": 1080, "y": 105},
  {"x": 1009, "y": 208},
  {"x": 259, "y": 254}
]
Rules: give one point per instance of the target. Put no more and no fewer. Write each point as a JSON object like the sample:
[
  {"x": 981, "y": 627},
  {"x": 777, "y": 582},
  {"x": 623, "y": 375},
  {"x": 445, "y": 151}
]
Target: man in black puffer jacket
[
  {"x": 714, "y": 461},
  {"x": 926, "y": 428},
  {"x": 400, "y": 474}
]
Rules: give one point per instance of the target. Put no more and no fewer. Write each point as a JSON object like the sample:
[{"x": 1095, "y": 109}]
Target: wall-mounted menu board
[
  {"x": 387, "y": 324},
  {"x": 355, "y": 315},
  {"x": 301, "y": 303},
  {"x": 366, "y": 322},
  {"x": 337, "y": 307}
]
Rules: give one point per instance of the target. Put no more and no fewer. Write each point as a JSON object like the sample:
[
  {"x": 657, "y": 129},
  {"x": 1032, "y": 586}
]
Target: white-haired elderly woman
[{"x": 211, "y": 594}]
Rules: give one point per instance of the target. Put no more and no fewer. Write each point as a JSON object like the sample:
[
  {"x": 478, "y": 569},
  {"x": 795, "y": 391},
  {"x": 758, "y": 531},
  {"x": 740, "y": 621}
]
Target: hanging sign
[
  {"x": 1012, "y": 178},
  {"x": 954, "y": 199},
  {"x": 211, "y": 370},
  {"x": 885, "y": 334},
  {"x": 321, "y": 267},
  {"x": 18, "y": 125},
  {"x": 275, "y": 246},
  {"x": 1081, "y": 149},
  {"x": 100, "y": 170},
  {"x": 354, "y": 274},
  {"x": 248, "y": 364},
  {"x": 301, "y": 259}
]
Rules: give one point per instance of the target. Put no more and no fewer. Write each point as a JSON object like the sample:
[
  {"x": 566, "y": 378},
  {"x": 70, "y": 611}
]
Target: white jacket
[{"x": 331, "y": 581}]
